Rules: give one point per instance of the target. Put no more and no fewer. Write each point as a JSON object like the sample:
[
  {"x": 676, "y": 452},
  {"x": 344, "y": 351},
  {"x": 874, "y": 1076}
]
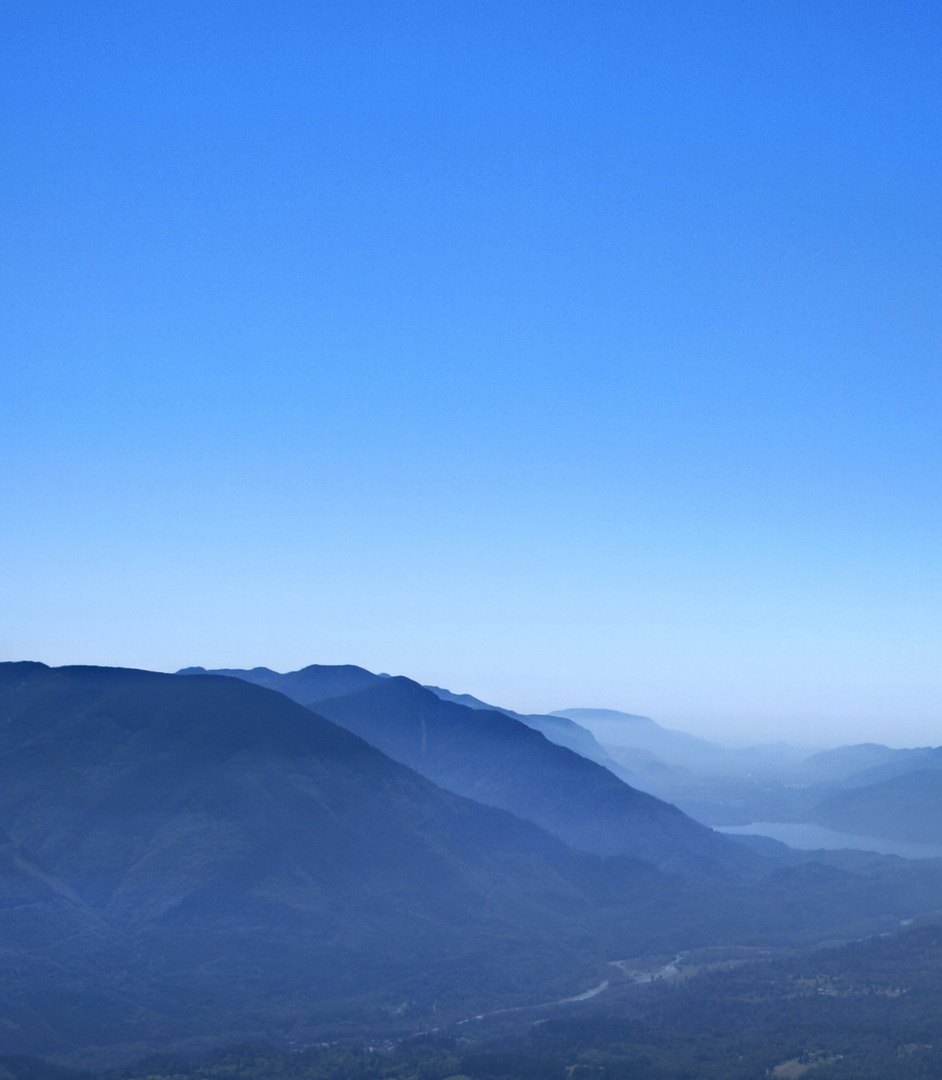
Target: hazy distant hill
[
  {"x": 320, "y": 681},
  {"x": 615, "y": 730},
  {"x": 902, "y": 761},
  {"x": 499, "y": 759},
  {"x": 905, "y": 807},
  {"x": 712, "y": 783},
  {"x": 860, "y": 763}
]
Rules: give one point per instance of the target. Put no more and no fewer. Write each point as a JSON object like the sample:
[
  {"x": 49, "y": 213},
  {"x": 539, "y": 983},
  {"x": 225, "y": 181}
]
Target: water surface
[{"x": 815, "y": 837}]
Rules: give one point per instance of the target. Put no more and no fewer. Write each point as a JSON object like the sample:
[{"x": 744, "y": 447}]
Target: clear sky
[{"x": 566, "y": 353}]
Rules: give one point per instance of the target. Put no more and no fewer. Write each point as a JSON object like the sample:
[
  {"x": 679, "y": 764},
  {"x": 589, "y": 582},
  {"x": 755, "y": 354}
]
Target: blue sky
[{"x": 563, "y": 353}]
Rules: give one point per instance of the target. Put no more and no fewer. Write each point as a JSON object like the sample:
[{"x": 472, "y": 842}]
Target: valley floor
[{"x": 862, "y": 1011}]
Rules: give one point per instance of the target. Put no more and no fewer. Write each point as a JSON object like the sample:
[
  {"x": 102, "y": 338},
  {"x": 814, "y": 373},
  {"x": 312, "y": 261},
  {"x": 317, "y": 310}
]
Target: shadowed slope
[
  {"x": 317, "y": 682},
  {"x": 489, "y": 756},
  {"x": 558, "y": 729}
]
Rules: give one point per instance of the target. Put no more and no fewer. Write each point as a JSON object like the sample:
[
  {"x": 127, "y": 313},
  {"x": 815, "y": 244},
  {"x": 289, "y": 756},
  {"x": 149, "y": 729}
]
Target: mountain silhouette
[{"x": 304, "y": 686}]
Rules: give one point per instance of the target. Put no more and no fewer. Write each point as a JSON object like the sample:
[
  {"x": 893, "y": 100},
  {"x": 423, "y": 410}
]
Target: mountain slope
[
  {"x": 857, "y": 764},
  {"x": 558, "y": 729},
  {"x": 201, "y": 857},
  {"x": 490, "y": 757},
  {"x": 903, "y": 761},
  {"x": 478, "y": 754},
  {"x": 317, "y": 682},
  {"x": 906, "y": 807}
]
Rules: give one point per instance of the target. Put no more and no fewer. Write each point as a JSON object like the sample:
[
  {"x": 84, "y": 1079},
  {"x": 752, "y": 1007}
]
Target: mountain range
[
  {"x": 489, "y": 755},
  {"x": 904, "y": 807},
  {"x": 713, "y": 784},
  {"x": 865, "y": 789},
  {"x": 209, "y": 855},
  {"x": 195, "y": 859}
]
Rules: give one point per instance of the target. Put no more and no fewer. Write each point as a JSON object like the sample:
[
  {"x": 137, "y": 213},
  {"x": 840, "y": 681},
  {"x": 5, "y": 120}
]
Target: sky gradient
[{"x": 562, "y": 353}]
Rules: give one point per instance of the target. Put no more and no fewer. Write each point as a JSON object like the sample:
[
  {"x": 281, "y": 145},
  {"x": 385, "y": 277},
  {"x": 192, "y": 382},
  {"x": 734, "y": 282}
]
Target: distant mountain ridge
[
  {"x": 900, "y": 763},
  {"x": 907, "y": 806},
  {"x": 309, "y": 684},
  {"x": 678, "y": 749},
  {"x": 710, "y": 782},
  {"x": 493, "y": 757},
  {"x": 859, "y": 763}
]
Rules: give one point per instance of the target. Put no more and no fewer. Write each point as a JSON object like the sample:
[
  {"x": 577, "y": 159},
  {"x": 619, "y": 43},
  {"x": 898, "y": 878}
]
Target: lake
[{"x": 814, "y": 837}]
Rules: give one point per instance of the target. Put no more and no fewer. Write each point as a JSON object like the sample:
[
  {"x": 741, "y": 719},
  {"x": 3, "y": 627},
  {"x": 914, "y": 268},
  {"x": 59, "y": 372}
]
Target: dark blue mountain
[{"x": 199, "y": 857}]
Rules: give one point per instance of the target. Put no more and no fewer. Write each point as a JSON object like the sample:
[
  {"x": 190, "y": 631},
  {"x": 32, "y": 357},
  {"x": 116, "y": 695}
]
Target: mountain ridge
[
  {"x": 194, "y": 860},
  {"x": 495, "y": 757},
  {"x": 558, "y": 729},
  {"x": 489, "y": 756}
]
